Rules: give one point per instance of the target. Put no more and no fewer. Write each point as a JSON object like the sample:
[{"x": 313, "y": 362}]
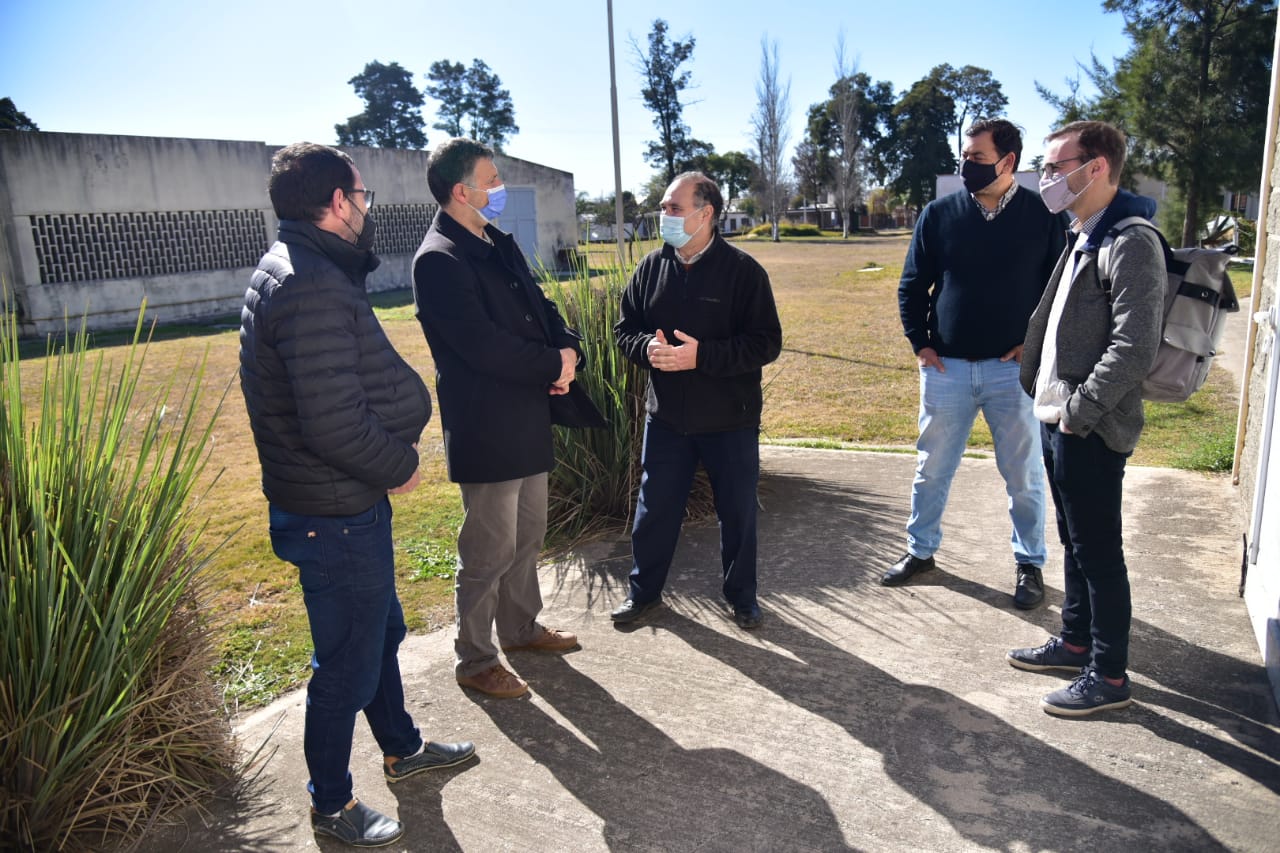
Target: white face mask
[{"x": 1055, "y": 193}]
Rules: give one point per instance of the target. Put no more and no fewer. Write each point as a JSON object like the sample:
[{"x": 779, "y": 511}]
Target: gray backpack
[{"x": 1197, "y": 299}]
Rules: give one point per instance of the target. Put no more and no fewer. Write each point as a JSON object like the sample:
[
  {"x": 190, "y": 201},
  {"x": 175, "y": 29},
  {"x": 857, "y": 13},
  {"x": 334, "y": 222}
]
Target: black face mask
[
  {"x": 370, "y": 228},
  {"x": 977, "y": 176}
]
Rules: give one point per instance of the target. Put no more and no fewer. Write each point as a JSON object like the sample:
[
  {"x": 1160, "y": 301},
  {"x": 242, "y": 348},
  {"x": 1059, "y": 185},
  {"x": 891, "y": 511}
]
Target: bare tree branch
[{"x": 769, "y": 124}]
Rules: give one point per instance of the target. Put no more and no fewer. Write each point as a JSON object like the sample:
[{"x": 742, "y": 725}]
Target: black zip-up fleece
[{"x": 725, "y": 302}]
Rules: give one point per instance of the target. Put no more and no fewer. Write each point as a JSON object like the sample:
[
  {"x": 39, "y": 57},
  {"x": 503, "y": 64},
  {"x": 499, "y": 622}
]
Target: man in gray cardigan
[{"x": 1086, "y": 353}]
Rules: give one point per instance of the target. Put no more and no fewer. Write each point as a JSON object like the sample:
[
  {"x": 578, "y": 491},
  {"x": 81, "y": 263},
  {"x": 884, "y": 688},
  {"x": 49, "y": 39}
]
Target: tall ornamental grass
[
  {"x": 593, "y": 486},
  {"x": 108, "y": 719}
]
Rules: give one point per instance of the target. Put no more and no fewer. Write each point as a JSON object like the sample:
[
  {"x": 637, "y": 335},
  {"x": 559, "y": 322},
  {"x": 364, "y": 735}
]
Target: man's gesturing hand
[{"x": 664, "y": 356}]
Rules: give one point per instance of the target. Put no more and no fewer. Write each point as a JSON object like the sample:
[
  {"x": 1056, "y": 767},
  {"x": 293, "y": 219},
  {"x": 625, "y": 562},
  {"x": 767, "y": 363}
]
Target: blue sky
[{"x": 278, "y": 73}]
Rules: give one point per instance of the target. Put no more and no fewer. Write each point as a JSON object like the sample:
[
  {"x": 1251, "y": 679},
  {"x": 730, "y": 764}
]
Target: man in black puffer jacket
[{"x": 336, "y": 416}]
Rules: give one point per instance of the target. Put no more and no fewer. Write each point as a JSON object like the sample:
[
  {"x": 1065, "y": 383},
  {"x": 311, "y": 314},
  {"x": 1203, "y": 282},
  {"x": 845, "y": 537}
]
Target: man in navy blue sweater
[{"x": 977, "y": 265}]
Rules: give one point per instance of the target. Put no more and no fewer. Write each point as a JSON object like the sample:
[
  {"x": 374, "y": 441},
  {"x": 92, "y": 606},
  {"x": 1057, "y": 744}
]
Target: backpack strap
[{"x": 1104, "y": 251}]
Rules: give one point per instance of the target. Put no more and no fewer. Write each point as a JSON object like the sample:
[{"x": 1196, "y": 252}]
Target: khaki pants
[{"x": 503, "y": 528}]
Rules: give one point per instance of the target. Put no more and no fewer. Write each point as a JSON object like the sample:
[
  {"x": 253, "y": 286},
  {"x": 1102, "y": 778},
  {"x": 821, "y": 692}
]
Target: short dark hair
[
  {"x": 1005, "y": 135},
  {"x": 303, "y": 178},
  {"x": 453, "y": 162},
  {"x": 1098, "y": 139},
  {"x": 705, "y": 192}
]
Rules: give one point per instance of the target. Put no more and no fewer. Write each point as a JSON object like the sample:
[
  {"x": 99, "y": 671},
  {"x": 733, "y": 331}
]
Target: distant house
[{"x": 733, "y": 220}]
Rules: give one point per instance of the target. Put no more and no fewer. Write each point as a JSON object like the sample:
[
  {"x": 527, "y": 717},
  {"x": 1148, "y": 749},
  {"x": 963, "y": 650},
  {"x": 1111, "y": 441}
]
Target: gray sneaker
[
  {"x": 1052, "y": 655},
  {"x": 1087, "y": 694}
]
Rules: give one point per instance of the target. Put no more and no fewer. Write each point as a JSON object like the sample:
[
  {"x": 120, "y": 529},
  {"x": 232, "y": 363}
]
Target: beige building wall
[{"x": 92, "y": 225}]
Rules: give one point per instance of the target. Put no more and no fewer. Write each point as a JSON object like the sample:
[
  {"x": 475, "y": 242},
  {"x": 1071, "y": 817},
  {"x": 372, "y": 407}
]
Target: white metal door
[{"x": 520, "y": 218}]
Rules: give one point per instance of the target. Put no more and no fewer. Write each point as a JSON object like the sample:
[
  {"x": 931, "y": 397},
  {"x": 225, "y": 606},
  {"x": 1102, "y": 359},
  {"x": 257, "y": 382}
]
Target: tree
[
  {"x": 663, "y": 83},
  {"x": 917, "y": 144},
  {"x": 732, "y": 171},
  {"x": 450, "y": 90},
  {"x": 473, "y": 96},
  {"x": 495, "y": 115},
  {"x": 11, "y": 118},
  {"x": 391, "y": 117},
  {"x": 871, "y": 104},
  {"x": 769, "y": 124},
  {"x": 976, "y": 94},
  {"x": 1193, "y": 93},
  {"x": 1073, "y": 106},
  {"x": 846, "y": 135},
  {"x": 811, "y": 170}
]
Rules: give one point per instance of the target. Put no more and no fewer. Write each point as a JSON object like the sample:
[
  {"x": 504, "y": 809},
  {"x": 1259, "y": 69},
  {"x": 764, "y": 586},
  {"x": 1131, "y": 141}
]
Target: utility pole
[{"x": 617, "y": 151}]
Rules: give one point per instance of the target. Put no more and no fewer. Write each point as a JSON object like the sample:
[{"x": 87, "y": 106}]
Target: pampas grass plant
[
  {"x": 108, "y": 718},
  {"x": 593, "y": 486}
]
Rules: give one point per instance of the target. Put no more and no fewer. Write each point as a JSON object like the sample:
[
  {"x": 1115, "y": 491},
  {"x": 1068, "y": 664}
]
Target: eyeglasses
[
  {"x": 1052, "y": 170},
  {"x": 368, "y": 197}
]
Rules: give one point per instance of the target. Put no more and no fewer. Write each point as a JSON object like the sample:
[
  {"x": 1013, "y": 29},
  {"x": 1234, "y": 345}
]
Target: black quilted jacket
[{"x": 333, "y": 407}]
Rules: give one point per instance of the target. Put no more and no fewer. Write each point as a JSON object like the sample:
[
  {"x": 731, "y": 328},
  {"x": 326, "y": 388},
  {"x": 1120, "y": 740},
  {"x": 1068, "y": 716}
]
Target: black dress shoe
[
  {"x": 630, "y": 611},
  {"x": 359, "y": 826},
  {"x": 1029, "y": 592},
  {"x": 747, "y": 616},
  {"x": 906, "y": 568}
]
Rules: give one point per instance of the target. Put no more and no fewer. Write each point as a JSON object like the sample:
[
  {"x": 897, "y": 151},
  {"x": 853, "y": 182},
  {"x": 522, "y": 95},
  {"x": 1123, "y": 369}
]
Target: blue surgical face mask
[
  {"x": 672, "y": 230},
  {"x": 497, "y": 201}
]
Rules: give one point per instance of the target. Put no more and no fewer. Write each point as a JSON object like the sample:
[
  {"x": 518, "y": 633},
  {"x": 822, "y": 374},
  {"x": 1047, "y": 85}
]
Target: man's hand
[
  {"x": 928, "y": 357},
  {"x": 1015, "y": 354},
  {"x": 664, "y": 356},
  {"x": 568, "y": 370},
  {"x": 412, "y": 483}
]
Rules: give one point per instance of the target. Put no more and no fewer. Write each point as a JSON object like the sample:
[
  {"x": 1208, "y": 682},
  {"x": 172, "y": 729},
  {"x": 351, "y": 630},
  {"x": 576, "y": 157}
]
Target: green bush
[
  {"x": 107, "y": 714},
  {"x": 1247, "y": 236},
  {"x": 786, "y": 229}
]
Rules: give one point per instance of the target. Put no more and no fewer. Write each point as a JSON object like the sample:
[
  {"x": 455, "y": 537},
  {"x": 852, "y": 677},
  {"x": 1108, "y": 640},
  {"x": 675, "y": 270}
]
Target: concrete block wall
[
  {"x": 94, "y": 224},
  {"x": 1263, "y": 299}
]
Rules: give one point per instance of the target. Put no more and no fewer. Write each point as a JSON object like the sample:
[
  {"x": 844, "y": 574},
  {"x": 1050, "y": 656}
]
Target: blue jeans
[
  {"x": 346, "y": 566},
  {"x": 669, "y": 460},
  {"x": 949, "y": 403},
  {"x": 1086, "y": 478}
]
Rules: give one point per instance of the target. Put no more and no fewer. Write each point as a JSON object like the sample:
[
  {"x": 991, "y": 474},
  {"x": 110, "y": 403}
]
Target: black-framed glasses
[
  {"x": 1052, "y": 170},
  {"x": 368, "y": 196}
]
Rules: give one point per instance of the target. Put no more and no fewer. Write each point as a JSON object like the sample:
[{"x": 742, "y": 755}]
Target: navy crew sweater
[{"x": 969, "y": 286}]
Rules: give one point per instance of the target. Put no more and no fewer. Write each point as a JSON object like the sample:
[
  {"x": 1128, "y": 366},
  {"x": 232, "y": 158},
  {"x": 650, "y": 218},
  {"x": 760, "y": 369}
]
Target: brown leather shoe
[
  {"x": 550, "y": 640},
  {"x": 496, "y": 681}
]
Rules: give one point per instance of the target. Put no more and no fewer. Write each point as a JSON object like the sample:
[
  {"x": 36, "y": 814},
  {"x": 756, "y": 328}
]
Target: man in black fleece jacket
[
  {"x": 699, "y": 313},
  {"x": 336, "y": 415}
]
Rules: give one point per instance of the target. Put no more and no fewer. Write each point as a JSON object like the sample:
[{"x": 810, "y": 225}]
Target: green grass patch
[
  {"x": 846, "y": 379},
  {"x": 425, "y": 559}
]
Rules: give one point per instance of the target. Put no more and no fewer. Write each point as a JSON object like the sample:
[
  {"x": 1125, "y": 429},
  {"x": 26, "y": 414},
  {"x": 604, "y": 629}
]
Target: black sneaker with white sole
[
  {"x": 1088, "y": 694},
  {"x": 1052, "y": 655}
]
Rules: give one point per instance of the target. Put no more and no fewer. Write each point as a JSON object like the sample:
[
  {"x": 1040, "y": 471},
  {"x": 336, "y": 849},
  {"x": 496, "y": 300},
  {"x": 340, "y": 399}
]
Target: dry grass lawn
[{"x": 846, "y": 374}]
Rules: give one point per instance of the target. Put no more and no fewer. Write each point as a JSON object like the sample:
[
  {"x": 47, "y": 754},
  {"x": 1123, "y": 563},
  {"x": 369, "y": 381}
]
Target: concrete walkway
[{"x": 857, "y": 718}]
